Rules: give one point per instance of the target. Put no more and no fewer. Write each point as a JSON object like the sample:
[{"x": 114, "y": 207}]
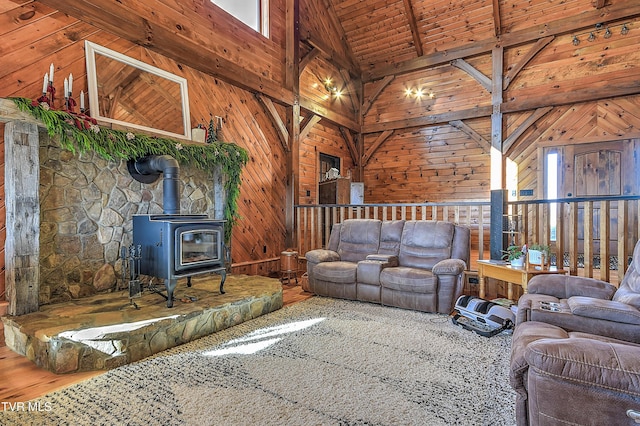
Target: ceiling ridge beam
[{"x": 614, "y": 12}]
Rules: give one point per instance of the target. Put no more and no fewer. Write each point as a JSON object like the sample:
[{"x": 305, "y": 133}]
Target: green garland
[{"x": 79, "y": 133}]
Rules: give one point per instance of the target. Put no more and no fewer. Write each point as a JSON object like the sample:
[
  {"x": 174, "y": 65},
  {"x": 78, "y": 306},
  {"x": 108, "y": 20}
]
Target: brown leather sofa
[
  {"x": 585, "y": 304},
  {"x": 407, "y": 264},
  {"x": 575, "y": 356},
  {"x": 573, "y": 378}
]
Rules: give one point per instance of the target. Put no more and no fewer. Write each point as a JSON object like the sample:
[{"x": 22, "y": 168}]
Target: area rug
[{"x": 318, "y": 362}]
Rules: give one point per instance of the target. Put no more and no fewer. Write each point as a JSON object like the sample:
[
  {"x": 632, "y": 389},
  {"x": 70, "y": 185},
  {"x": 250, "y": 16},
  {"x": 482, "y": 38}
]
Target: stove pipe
[{"x": 152, "y": 165}]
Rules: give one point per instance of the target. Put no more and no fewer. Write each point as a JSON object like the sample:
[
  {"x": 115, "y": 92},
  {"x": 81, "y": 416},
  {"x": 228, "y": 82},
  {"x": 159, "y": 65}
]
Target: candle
[
  {"x": 66, "y": 88},
  {"x": 45, "y": 83},
  {"x": 70, "y": 84},
  {"x": 51, "y": 73},
  {"x": 82, "y": 100}
]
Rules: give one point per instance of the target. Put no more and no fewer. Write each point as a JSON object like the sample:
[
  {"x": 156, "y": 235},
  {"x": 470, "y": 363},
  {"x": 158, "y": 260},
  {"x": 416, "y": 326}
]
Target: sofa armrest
[
  {"x": 387, "y": 259},
  {"x": 604, "y": 310},
  {"x": 449, "y": 267},
  {"x": 322, "y": 255},
  {"x": 608, "y": 365},
  {"x": 566, "y": 286}
]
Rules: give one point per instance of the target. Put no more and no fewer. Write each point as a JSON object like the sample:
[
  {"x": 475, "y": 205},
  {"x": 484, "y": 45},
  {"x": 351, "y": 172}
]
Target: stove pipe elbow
[{"x": 153, "y": 165}]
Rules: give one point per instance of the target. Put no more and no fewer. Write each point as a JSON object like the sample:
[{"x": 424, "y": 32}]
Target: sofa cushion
[
  {"x": 406, "y": 279},
  {"x": 358, "y": 238},
  {"x": 425, "y": 243},
  {"x": 390, "y": 237},
  {"x": 612, "y": 365},
  {"x": 336, "y": 272},
  {"x": 604, "y": 309}
]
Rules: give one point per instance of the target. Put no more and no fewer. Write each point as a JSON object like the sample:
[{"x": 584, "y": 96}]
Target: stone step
[{"x": 105, "y": 331}]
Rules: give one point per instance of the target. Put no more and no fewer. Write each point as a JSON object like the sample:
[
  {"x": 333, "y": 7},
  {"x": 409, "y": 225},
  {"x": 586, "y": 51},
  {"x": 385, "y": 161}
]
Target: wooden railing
[{"x": 575, "y": 237}]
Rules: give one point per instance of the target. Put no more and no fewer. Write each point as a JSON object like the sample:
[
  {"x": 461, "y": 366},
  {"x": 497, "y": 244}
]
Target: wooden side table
[{"x": 501, "y": 270}]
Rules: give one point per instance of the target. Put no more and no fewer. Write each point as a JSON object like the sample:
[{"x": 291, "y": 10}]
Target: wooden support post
[
  {"x": 22, "y": 247},
  {"x": 498, "y": 194},
  {"x": 292, "y": 81}
]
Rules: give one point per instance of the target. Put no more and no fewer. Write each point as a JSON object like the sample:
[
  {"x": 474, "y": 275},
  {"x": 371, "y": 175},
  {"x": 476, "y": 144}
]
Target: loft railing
[{"x": 575, "y": 228}]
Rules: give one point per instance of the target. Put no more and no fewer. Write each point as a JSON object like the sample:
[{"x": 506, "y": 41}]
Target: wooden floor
[{"x": 21, "y": 380}]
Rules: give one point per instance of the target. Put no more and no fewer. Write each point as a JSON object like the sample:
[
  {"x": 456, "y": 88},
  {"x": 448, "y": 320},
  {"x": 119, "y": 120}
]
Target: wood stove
[
  {"x": 173, "y": 245},
  {"x": 179, "y": 246}
]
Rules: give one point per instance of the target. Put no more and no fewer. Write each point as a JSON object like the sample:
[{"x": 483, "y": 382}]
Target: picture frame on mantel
[{"x": 158, "y": 100}]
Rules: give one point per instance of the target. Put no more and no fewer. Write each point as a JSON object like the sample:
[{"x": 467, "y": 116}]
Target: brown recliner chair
[
  {"x": 573, "y": 378},
  {"x": 585, "y": 304}
]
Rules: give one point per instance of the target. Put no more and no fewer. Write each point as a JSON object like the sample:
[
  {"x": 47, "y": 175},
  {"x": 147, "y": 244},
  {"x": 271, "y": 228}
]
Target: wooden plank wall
[
  {"x": 441, "y": 162},
  {"x": 29, "y": 45}
]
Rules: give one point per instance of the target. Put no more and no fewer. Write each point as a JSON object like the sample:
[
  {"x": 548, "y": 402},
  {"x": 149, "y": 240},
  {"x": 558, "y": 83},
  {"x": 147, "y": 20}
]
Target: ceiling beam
[
  {"x": 515, "y": 70},
  {"x": 614, "y": 12},
  {"x": 497, "y": 22},
  {"x": 351, "y": 145},
  {"x": 413, "y": 25},
  {"x": 606, "y": 91},
  {"x": 382, "y": 137},
  {"x": 276, "y": 120},
  {"x": 464, "y": 128},
  {"x": 530, "y": 121},
  {"x": 335, "y": 117},
  {"x": 473, "y": 72},
  {"x": 379, "y": 87},
  {"x": 168, "y": 38}
]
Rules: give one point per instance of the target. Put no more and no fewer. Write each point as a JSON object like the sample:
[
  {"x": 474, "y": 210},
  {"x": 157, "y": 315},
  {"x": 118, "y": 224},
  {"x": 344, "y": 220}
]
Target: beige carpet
[{"x": 318, "y": 362}]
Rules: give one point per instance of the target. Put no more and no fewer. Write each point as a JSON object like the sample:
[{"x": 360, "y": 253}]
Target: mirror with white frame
[{"x": 132, "y": 93}]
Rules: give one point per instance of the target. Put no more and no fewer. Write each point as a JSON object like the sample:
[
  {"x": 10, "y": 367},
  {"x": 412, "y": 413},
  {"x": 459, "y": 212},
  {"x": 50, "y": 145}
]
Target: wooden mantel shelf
[{"x": 9, "y": 112}]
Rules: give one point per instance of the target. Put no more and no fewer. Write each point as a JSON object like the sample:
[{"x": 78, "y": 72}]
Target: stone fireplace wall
[{"x": 86, "y": 209}]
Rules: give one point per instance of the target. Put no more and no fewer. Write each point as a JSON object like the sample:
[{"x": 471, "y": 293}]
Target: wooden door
[{"x": 599, "y": 169}]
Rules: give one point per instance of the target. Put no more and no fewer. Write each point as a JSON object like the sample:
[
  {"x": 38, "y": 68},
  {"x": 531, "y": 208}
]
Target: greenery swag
[{"x": 80, "y": 133}]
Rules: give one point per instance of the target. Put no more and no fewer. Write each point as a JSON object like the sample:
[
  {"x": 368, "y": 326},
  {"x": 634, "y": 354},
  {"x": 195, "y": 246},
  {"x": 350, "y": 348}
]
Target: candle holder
[
  {"x": 71, "y": 104},
  {"x": 44, "y": 99},
  {"x": 51, "y": 94}
]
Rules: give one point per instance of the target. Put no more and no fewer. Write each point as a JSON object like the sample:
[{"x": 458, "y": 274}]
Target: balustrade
[{"x": 575, "y": 229}]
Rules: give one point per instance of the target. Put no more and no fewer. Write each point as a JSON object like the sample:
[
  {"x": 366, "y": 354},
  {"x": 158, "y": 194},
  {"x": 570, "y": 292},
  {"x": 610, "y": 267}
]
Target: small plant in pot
[
  {"x": 515, "y": 255},
  {"x": 539, "y": 255}
]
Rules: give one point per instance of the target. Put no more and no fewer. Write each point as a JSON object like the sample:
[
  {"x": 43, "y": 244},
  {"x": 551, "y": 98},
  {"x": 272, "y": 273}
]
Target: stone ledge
[{"x": 106, "y": 331}]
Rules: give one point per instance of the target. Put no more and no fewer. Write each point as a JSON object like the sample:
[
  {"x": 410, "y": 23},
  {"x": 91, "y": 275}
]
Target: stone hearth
[{"x": 105, "y": 331}]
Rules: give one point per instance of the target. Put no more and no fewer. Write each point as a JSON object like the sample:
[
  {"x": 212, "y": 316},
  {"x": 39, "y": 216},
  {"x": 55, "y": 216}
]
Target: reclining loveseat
[{"x": 407, "y": 264}]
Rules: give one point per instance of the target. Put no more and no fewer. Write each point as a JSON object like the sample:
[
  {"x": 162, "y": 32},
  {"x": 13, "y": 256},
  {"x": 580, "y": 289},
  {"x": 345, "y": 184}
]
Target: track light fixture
[
  {"x": 419, "y": 93},
  {"x": 624, "y": 30}
]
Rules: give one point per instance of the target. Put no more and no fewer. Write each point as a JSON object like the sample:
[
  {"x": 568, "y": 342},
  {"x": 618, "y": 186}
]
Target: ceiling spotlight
[
  {"x": 576, "y": 40},
  {"x": 591, "y": 37},
  {"x": 624, "y": 30},
  {"x": 408, "y": 92},
  {"x": 607, "y": 33},
  {"x": 329, "y": 86},
  {"x": 419, "y": 93}
]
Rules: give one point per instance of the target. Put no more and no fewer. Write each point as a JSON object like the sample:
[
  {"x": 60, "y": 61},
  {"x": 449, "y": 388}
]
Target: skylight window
[{"x": 253, "y": 13}]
